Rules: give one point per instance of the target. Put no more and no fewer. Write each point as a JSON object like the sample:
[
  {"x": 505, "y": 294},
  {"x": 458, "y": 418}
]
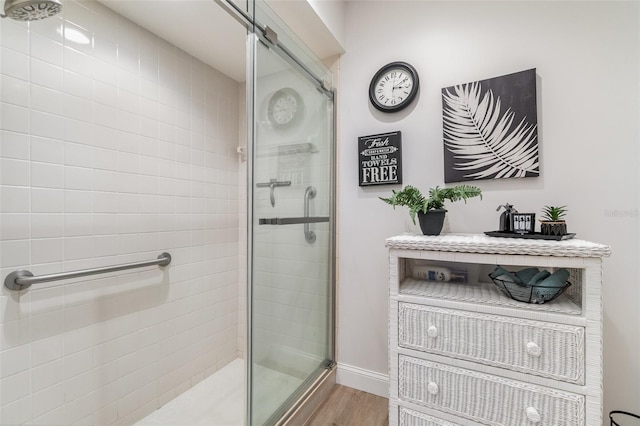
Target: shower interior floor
[{"x": 220, "y": 398}]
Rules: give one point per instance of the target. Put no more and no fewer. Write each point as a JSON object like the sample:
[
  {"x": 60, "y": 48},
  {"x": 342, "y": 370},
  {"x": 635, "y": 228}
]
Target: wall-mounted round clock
[
  {"x": 284, "y": 107},
  {"x": 394, "y": 87}
]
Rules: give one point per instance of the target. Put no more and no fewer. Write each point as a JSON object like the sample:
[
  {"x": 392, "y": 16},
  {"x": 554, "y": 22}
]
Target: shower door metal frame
[{"x": 269, "y": 38}]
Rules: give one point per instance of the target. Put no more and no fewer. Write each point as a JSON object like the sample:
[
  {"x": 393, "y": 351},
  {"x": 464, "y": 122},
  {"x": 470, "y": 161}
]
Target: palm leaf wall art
[{"x": 483, "y": 142}]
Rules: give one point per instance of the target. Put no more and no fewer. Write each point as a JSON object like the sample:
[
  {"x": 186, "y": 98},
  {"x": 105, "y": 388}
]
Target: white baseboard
[{"x": 364, "y": 380}]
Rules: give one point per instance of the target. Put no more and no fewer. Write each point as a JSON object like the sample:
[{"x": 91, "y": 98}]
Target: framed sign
[
  {"x": 523, "y": 223},
  {"x": 380, "y": 159}
]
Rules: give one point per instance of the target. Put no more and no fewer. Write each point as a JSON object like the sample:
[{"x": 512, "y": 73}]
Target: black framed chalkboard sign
[{"x": 380, "y": 159}]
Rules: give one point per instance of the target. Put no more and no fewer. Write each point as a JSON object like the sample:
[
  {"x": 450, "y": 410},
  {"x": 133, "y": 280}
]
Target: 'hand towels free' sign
[{"x": 380, "y": 159}]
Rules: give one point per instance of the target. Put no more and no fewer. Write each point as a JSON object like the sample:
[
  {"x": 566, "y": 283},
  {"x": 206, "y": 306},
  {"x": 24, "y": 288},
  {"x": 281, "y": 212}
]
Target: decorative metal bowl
[{"x": 529, "y": 294}]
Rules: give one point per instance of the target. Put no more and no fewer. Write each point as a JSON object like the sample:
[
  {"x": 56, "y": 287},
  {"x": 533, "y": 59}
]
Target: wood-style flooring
[{"x": 350, "y": 407}]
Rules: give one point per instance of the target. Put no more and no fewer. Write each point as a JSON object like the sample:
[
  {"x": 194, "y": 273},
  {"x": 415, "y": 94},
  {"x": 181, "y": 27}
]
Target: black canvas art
[{"x": 491, "y": 128}]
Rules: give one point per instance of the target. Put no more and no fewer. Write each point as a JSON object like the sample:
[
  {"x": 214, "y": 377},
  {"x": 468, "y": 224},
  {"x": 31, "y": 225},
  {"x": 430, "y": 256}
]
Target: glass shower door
[{"x": 291, "y": 240}]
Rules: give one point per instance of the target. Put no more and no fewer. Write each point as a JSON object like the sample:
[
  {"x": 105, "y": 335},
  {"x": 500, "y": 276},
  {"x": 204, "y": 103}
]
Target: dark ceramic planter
[
  {"x": 431, "y": 222},
  {"x": 553, "y": 228}
]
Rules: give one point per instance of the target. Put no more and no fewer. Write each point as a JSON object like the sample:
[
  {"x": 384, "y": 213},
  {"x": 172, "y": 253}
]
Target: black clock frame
[{"x": 409, "y": 69}]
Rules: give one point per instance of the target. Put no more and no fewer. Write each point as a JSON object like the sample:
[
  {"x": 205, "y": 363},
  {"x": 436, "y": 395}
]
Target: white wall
[
  {"x": 587, "y": 59},
  {"x": 112, "y": 152}
]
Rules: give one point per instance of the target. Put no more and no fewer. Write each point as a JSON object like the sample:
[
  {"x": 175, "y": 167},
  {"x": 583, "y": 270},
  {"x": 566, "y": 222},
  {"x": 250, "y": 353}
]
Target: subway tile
[
  {"x": 80, "y": 410},
  {"x": 105, "y": 224},
  {"x": 46, "y": 74},
  {"x": 78, "y": 248},
  {"x": 78, "y": 62},
  {"x": 15, "y": 387},
  {"x": 78, "y": 38},
  {"x": 15, "y": 35},
  {"x": 78, "y": 178},
  {"x": 14, "y": 172},
  {"x": 77, "y": 108},
  {"x": 77, "y": 154},
  {"x": 106, "y": 72},
  {"x": 14, "y": 63},
  {"x": 46, "y": 100},
  {"x": 14, "y": 91},
  {"x": 106, "y": 94},
  {"x": 46, "y": 49},
  {"x": 78, "y": 363},
  {"x": 106, "y": 116},
  {"x": 46, "y": 150},
  {"x": 15, "y": 360},
  {"x": 77, "y": 201},
  {"x": 50, "y": 28},
  {"x": 14, "y": 118},
  {"x": 128, "y": 101},
  {"x": 46, "y": 375},
  {"x": 47, "y": 325},
  {"x": 45, "y": 225},
  {"x": 46, "y": 350},
  {"x": 105, "y": 245},
  {"x": 46, "y": 175},
  {"x": 79, "y": 85},
  {"x": 78, "y": 131},
  {"x": 76, "y": 13},
  {"x": 14, "y": 226},
  {"x": 78, "y": 224},
  {"x": 105, "y": 202},
  {"x": 53, "y": 417},
  {"x": 47, "y": 400},
  {"x": 78, "y": 385},
  {"x": 15, "y": 253},
  {"x": 46, "y": 125},
  {"x": 47, "y": 200},
  {"x": 14, "y": 145}
]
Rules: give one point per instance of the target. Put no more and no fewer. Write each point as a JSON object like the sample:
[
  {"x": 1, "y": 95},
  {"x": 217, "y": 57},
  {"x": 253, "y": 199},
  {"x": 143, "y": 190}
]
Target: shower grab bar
[{"x": 20, "y": 280}]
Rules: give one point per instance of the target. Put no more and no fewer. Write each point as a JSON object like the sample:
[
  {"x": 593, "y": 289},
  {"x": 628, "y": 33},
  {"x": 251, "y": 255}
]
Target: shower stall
[{"x": 166, "y": 214}]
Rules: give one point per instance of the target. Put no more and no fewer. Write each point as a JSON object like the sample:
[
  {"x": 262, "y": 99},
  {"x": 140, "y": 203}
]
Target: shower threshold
[
  {"x": 219, "y": 400},
  {"x": 216, "y": 400}
]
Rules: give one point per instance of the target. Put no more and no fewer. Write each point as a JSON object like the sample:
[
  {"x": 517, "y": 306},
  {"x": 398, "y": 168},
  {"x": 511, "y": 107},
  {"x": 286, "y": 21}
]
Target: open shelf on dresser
[{"x": 485, "y": 293}]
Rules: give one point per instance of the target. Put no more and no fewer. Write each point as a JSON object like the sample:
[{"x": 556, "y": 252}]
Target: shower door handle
[
  {"x": 309, "y": 235},
  {"x": 306, "y": 220}
]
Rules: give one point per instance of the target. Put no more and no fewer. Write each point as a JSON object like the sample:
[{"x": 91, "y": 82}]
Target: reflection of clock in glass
[{"x": 284, "y": 106}]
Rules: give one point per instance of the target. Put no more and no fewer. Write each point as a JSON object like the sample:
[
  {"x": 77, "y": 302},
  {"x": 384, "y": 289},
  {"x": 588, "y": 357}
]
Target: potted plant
[
  {"x": 430, "y": 210},
  {"x": 552, "y": 222}
]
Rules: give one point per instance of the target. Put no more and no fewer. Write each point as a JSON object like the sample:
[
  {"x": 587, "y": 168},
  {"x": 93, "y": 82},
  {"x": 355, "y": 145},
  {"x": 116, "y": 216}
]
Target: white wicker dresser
[{"x": 466, "y": 354}]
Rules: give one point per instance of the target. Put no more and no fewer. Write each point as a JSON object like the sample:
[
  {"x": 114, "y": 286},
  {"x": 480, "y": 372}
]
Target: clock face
[
  {"x": 283, "y": 107},
  {"x": 393, "y": 87}
]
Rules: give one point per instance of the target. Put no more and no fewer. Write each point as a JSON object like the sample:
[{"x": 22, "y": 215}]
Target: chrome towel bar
[{"x": 20, "y": 280}]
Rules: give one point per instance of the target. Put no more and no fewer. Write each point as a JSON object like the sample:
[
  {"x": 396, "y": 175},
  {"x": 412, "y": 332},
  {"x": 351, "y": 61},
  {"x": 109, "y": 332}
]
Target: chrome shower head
[{"x": 31, "y": 10}]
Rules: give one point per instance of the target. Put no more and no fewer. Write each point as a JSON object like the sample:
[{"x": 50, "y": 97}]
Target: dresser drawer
[
  {"x": 483, "y": 398},
  {"x": 544, "y": 349},
  {"x": 410, "y": 417}
]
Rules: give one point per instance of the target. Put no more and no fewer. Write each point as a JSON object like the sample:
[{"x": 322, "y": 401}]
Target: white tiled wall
[{"x": 110, "y": 152}]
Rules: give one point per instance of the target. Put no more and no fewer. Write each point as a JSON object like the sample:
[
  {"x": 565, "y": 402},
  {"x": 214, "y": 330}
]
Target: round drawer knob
[
  {"x": 432, "y": 388},
  {"x": 532, "y": 415},
  {"x": 533, "y": 349},
  {"x": 432, "y": 331}
]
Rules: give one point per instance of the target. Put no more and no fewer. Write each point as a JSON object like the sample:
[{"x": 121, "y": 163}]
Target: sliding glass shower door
[{"x": 291, "y": 243}]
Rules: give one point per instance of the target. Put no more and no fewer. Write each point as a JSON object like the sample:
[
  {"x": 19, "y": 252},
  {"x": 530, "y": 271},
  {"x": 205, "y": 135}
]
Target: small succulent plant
[{"x": 554, "y": 213}]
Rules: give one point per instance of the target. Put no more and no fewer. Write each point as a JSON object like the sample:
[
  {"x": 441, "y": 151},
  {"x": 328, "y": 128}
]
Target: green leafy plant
[
  {"x": 554, "y": 213},
  {"x": 412, "y": 198}
]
